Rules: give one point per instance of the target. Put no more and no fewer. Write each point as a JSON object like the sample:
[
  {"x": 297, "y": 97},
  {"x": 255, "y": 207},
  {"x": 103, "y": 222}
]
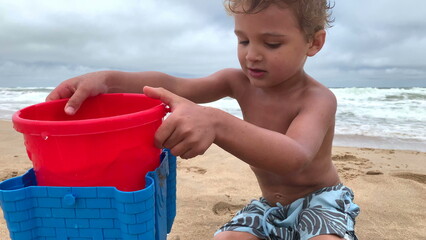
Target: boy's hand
[
  {"x": 189, "y": 130},
  {"x": 78, "y": 89}
]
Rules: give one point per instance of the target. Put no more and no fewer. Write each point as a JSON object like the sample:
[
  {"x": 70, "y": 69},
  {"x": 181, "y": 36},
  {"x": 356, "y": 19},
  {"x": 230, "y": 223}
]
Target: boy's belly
[{"x": 287, "y": 189}]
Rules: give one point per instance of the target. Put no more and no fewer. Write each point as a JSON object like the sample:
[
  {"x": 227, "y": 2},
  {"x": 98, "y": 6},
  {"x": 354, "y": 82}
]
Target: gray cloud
[
  {"x": 378, "y": 42},
  {"x": 51, "y": 37},
  {"x": 43, "y": 42}
]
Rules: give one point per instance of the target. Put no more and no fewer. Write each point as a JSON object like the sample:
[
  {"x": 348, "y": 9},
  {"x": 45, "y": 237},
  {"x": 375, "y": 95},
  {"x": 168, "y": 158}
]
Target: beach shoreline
[
  {"x": 389, "y": 186},
  {"x": 358, "y": 141}
]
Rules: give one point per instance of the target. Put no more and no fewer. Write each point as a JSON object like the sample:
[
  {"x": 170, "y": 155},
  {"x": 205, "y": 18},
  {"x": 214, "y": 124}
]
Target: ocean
[{"x": 388, "y": 118}]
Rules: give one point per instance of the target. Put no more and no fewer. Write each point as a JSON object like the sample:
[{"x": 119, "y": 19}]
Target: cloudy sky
[{"x": 376, "y": 43}]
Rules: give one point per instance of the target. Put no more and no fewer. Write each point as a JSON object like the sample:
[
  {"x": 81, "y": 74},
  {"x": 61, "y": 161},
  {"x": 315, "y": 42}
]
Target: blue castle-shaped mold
[{"x": 91, "y": 213}]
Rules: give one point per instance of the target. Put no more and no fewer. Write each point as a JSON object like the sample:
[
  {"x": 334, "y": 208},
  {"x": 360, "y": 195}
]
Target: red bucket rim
[{"x": 89, "y": 126}]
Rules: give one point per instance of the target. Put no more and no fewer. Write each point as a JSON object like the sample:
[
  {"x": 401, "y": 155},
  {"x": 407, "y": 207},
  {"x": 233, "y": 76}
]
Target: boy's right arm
[
  {"x": 78, "y": 89},
  {"x": 199, "y": 90}
]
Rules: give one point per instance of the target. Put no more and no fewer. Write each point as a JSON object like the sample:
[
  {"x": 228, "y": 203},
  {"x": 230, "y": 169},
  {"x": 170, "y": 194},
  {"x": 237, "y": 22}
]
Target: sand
[{"x": 389, "y": 186}]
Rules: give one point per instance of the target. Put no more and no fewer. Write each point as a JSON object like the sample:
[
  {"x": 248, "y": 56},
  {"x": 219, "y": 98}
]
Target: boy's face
[{"x": 272, "y": 48}]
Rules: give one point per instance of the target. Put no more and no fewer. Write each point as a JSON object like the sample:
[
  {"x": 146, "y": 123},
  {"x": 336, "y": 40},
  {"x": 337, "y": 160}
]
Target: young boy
[{"x": 288, "y": 127}]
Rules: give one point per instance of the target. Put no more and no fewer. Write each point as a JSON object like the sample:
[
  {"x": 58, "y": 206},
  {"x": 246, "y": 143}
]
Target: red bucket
[{"x": 108, "y": 142}]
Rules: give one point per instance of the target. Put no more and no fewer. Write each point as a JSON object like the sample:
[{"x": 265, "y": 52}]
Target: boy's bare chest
[{"x": 272, "y": 116}]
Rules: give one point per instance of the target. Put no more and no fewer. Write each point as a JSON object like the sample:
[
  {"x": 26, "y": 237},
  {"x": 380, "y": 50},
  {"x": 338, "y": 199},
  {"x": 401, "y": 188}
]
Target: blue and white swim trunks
[{"x": 327, "y": 211}]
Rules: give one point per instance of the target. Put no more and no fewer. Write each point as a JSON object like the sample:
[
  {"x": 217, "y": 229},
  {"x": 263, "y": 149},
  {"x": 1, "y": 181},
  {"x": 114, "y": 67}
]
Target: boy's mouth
[{"x": 256, "y": 73}]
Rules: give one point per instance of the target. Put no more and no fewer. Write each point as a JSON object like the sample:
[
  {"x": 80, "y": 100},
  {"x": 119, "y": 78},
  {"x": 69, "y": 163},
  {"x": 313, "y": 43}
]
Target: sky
[{"x": 380, "y": 43}]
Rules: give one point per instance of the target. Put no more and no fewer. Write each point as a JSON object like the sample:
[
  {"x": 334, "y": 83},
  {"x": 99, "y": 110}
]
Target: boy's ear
[{"x": 316, "y": 43}]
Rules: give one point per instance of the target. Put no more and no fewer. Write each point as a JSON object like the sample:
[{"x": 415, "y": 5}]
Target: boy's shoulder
[
  {"x": 316, "y": 94},
  {"x": 231, "y": 73},
  {"x": 315, "y": 88},
  {"x": 234, "y": 78}
]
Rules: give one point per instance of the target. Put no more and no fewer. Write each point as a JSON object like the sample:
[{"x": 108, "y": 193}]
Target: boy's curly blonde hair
[{"x": 313, "y": 15}]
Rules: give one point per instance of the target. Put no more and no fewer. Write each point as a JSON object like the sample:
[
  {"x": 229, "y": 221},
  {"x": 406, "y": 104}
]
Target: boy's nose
[{"x": 253, "y": 55}]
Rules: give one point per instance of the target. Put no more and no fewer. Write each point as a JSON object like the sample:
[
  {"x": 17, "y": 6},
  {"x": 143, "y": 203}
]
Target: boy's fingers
[
  {"x": 75, "y": 101},
  {"x": 52, "y": 96},
  {"x": 59, "y": 93},
  {"x": 165, "y": 134},
  {"x": 162, "y": 94}
]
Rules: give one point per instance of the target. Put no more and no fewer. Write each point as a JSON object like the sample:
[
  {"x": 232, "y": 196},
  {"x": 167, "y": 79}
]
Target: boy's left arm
[
  {"x": 282, "y": 153},
  {"x": 191, "y": 129}
]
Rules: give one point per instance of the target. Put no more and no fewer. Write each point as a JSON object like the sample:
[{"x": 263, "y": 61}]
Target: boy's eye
[
  {"x": 243, "y": 42},
  {"x": 273, "y": 45}
]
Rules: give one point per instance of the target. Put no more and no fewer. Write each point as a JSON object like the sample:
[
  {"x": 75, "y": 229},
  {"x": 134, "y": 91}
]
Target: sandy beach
[{"x": 389, "y": 186}]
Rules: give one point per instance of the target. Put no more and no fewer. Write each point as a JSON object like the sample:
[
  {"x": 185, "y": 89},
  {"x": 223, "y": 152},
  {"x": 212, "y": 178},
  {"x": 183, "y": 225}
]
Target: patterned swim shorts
[{"x": 327, "y": 211}]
